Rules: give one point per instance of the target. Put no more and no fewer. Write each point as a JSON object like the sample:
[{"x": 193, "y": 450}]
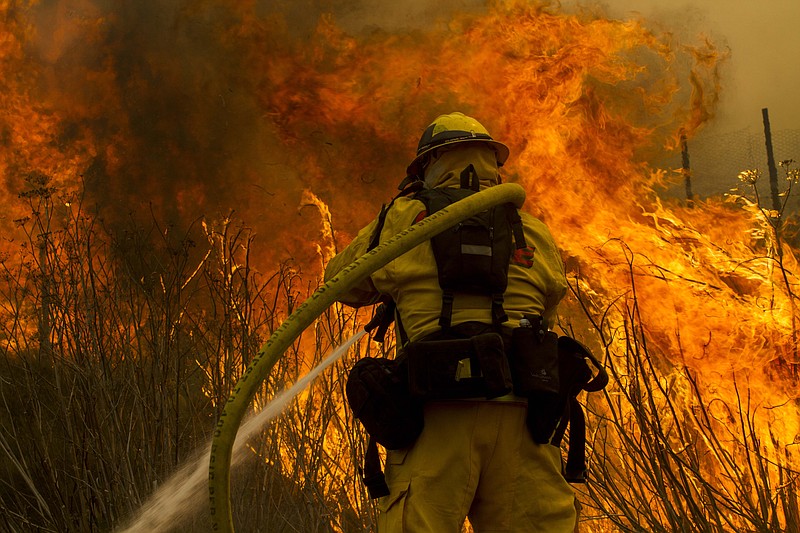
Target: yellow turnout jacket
[{"x": 536, "y": 280}]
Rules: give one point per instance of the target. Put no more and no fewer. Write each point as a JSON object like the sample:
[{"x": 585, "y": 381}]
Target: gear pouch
[
  {"x": 474, "y": 367},
  {"x": 535, "y": 368},
  {"x": 534, "y": 361},
  {"x": 377, "y": 391}
]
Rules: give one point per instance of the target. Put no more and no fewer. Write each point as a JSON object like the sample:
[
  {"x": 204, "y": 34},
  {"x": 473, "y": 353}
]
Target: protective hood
[{"x": 444, "y": 170}]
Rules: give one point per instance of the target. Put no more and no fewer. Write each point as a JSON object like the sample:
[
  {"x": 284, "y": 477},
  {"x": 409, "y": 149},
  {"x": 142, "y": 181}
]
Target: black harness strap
[
  {"x": 375, "y": 240},
  {"x": 575, "y": 470},
  {"x": 446, "y": 315},
  {"x": 406, "y": 189},
  {"x": 516, "y": 226},
  {"x": 498, "y": 312}
]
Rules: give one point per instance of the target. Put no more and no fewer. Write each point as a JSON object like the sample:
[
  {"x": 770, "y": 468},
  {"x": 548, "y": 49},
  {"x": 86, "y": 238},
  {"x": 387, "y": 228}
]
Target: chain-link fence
[{"x": 716, "y": 161}]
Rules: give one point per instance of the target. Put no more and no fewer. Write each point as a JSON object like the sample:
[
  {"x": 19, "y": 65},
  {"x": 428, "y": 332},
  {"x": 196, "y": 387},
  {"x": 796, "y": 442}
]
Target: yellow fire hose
[{"x": 244, "y": 391}]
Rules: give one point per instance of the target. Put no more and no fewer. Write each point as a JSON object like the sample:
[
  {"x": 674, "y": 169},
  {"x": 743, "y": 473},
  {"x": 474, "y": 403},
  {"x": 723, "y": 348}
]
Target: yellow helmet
[{"x": 450, "y": 129}]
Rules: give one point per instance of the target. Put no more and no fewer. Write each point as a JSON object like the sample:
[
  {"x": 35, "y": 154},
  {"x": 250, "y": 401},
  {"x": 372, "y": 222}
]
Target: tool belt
[
  {"x": 472, "y": 360},
  {"x": 548, "y": 370}
]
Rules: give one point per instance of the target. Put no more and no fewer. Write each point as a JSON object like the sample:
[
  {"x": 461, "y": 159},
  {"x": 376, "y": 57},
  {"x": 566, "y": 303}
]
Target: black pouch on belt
[
  {"x": 377, "y": 391},
  {"x": 474, "y": 367},
  {"x": 535, "y": 369}
]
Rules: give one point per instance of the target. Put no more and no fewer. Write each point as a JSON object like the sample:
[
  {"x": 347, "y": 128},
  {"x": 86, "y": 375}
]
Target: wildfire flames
[{"x": 305, "y": 131}]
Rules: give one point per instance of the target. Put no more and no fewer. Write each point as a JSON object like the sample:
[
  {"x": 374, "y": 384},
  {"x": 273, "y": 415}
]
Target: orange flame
[
  {"x": 583, "y": 102},
  {"x": 221, "y": 107}
]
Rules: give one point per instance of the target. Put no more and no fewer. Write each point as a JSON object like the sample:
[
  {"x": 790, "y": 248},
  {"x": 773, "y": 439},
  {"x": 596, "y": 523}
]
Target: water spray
[
  {"x": 242, "y": 395},
  {"x": 180, "y": 495}
]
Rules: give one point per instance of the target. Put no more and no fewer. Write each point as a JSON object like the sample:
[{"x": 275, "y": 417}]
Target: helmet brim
[{"x": 415, "y": 167}]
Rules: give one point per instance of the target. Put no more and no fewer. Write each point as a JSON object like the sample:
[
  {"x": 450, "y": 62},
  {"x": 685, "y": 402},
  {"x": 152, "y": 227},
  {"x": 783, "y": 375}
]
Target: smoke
[
  {"x": 758, "y": 37},
  {"x": 153, "y": 108},
  {"x": 198, "y": 108},
  {"x": 164, "y": 102}
]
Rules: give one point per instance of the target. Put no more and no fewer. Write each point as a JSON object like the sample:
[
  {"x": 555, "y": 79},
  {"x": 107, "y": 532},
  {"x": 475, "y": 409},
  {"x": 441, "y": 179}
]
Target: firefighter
[{"x": 475, "y": 457}]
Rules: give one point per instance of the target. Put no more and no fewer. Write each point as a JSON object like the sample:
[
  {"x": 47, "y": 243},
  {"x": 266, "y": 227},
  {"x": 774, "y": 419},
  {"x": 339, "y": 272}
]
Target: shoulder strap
[
  {"x": 375, "y": 239},
  {"x": 406, "y": 189},
  {"x": 516, "y": 226}
]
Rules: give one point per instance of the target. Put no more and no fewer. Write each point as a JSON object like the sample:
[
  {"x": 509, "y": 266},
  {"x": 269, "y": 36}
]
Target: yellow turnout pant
[{"x": 476, "y": 459}]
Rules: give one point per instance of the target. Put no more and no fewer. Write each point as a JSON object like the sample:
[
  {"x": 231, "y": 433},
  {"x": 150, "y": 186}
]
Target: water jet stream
[{"x": 184, "y": 492}]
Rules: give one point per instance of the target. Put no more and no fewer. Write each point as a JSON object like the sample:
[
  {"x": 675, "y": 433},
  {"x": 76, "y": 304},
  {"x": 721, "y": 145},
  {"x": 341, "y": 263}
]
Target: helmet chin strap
[{"x": 408, "y": 180}]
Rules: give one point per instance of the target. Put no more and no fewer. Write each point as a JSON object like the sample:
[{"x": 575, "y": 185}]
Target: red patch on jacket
[
  {"x": 422, "y": 214},
  {"x": 523, "y": 257}
]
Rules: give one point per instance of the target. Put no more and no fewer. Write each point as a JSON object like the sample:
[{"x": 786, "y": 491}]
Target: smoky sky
[
  {"x": 195, "y": 109},
  {"x": 762, "y": 38},
  {"x": 183, "y": 89},
  {"x": 169, "y": 107},
  {"x": 763, "y": 41}
]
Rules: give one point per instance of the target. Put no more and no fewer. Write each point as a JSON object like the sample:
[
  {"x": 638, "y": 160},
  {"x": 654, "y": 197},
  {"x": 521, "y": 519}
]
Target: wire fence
[{"x": 716, "y": 161}]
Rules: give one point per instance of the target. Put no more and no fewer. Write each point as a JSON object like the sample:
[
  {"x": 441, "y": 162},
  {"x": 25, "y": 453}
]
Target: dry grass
[
  {"x": 117, "y": 350},
  {"x": 119, "y": 346},
  {"x": 667, "y": 458}
]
